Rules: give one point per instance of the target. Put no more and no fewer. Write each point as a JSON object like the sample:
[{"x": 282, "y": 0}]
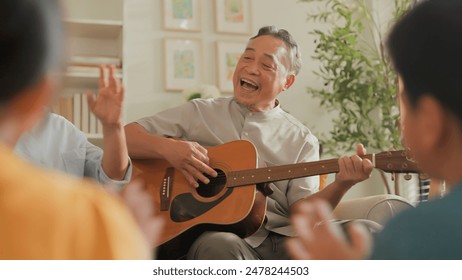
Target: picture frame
[
  {"x": 183, "y": 63},
  {"x": 228, "y": 54},
  {"x": 233, "y": 16},
  {"x": 182, "y": 15}
]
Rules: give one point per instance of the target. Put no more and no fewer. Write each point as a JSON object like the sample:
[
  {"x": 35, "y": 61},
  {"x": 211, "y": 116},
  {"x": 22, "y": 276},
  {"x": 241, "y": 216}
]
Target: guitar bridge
[{"x": 166, "y": 189}]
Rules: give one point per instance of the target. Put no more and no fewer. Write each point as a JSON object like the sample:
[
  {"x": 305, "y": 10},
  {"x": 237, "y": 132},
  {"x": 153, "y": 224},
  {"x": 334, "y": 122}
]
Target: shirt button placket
[{"x": 244, "y": 134}]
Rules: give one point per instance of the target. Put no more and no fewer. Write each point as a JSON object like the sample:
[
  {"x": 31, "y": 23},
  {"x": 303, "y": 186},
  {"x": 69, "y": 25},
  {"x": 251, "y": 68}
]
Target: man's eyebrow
[{"x": 270, "y": 56}]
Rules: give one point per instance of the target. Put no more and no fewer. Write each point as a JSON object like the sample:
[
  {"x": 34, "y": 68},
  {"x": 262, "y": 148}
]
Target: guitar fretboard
[
  {"x": 282, "y": 172},
  {"x": 393, "y": 161}
]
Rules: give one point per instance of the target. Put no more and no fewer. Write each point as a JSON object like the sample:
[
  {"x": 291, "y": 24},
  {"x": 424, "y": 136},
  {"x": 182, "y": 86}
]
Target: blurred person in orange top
[{"x": 43, "y": 214}]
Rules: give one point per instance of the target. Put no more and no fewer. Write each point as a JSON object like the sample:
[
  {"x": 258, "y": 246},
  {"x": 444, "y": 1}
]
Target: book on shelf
[
  {"x": 75, "y": 108},
  {"x": 80, "y": 60},
  {"x": 89, "y": 122},
  {"x": 77, "y": 120},
  {"x": 64, "y": 106},
  {"x": 92, "y": 123},
  {"x": 85, "y": 77},
  {"x": 89, "y": 70},
  {"x": 85, "y": 124}
]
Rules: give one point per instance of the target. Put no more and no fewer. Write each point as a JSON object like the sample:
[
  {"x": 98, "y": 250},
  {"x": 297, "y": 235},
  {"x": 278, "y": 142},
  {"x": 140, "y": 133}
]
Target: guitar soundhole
[{"x": 215, "y": 186}]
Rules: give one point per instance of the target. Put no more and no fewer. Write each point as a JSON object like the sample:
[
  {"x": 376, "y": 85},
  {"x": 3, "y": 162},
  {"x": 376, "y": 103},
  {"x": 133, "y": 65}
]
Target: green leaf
[{"x": 194, "y": 96}]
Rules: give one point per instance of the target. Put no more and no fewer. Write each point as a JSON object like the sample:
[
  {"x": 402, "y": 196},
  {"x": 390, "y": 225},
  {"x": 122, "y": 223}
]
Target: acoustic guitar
[{"x": 232, "y": 201}]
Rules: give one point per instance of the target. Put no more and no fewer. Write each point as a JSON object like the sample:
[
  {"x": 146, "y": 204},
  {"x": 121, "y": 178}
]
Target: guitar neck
[
  {"x": 283, "y": 172},
  {"x": 391, "y": 161}
]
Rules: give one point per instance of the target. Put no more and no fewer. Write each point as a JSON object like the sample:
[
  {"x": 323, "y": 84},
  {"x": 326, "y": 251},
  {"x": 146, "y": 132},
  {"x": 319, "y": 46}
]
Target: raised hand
[{"x": 107, "y": 105}]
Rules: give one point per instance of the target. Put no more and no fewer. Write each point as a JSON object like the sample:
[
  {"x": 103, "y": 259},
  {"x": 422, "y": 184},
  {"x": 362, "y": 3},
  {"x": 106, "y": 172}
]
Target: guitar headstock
[{"x": 396, "y": 162}]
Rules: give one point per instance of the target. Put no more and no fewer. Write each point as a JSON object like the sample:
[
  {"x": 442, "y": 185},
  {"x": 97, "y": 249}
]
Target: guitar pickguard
[{"x": 186, "y": 207}]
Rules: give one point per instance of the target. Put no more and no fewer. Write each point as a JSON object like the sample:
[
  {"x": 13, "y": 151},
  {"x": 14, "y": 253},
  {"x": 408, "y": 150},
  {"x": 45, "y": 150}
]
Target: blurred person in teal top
[{"x": 425, "y": 47}]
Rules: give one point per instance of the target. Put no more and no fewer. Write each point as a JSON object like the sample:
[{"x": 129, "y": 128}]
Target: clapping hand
[{"x": 320, "y": 239}]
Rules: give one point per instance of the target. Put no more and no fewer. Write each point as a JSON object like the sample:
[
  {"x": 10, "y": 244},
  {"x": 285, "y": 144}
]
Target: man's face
[
  {"x": 262, "y": 73},
  {"x": 426, "y": 128}
]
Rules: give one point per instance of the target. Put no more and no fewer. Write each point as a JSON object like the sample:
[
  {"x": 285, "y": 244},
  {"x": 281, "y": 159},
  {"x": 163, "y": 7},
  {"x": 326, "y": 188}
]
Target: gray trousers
[{"x": 212, "y": 245}]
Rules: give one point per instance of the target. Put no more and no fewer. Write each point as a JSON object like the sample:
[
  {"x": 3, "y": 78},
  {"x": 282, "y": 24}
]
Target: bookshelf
[{"x": 95, "y": 37}]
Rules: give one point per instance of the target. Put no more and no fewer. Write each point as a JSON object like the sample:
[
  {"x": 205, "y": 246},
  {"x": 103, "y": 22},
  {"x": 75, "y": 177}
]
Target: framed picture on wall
[
  {"x": 228, "y": 53},
  {"x": 233, "y": 16},
  {"x": 183, "y": 63},
  {"x": 182, "y": 15}
]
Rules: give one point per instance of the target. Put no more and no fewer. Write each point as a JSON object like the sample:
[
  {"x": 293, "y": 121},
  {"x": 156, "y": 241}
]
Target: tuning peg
[
  {"x": 407, "y": 177},
  {"x": 424, "y": 176}
]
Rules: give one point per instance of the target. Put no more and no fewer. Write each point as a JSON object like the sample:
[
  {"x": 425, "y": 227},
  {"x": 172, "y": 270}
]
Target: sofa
[{"x": 372, "y": 211}]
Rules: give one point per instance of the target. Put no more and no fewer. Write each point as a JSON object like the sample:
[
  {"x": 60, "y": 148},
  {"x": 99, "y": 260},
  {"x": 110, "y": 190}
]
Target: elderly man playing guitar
[{"x": 267, "y": 67}]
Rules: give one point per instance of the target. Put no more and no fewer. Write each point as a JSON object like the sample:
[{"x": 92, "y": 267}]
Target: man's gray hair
[{"x": 283, "y": 35}]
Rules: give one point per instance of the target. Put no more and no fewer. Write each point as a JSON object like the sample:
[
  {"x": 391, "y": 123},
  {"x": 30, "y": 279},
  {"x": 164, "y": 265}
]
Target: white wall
[{"x": 144, "y": 62}]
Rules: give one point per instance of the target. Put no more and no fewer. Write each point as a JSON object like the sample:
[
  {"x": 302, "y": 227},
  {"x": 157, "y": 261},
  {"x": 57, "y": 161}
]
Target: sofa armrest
[{"x": 377, "y": 208}]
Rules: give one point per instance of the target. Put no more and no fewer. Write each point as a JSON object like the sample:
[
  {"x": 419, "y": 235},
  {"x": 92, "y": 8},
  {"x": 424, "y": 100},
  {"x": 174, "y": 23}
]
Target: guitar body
[{"x": 188, "y": 211}]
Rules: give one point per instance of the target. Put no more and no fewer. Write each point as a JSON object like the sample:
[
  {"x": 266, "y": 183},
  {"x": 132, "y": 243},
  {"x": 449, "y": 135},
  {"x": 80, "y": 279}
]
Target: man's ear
[
  {"x": 432, "y": 123},
  {"x": 290, "y": 79}
]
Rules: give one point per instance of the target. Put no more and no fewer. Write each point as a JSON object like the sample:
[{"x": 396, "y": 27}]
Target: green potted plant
[{"x": 359, "y": 84}]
